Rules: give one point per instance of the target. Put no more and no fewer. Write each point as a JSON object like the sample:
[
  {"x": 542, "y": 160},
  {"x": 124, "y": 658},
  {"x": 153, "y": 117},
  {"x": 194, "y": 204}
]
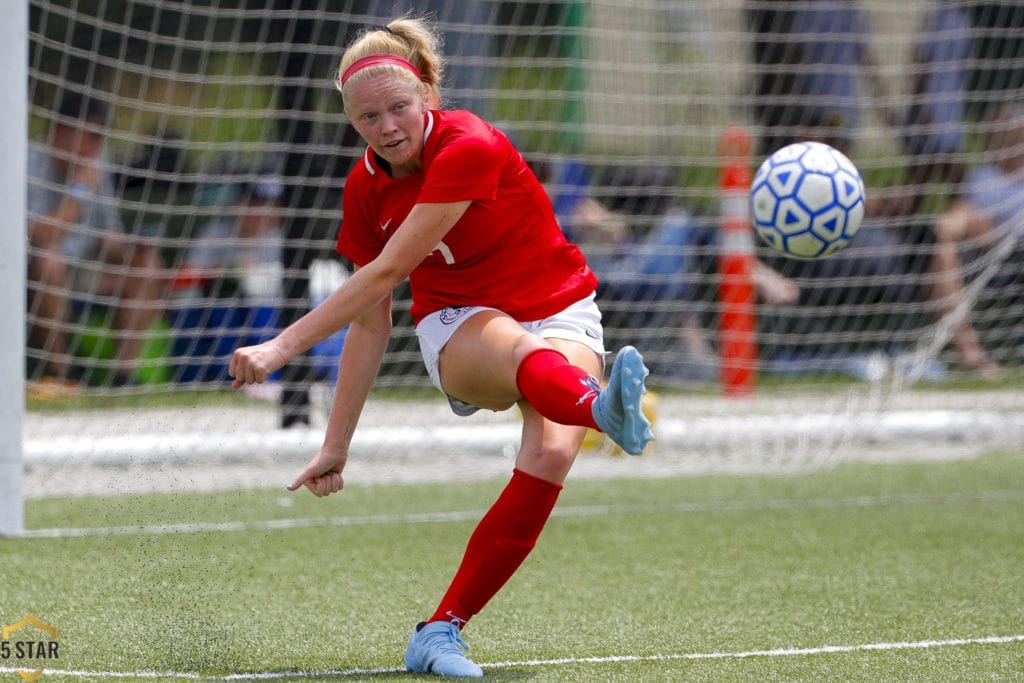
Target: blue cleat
[
  {"x": 437, "y": 648},
  {"x": 618, "y": 408}
]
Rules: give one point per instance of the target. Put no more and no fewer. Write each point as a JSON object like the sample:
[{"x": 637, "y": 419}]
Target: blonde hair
[{"x": 412, "y": 38}]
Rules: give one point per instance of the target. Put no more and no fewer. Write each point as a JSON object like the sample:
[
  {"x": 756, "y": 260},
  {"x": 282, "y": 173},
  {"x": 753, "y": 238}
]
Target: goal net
[{"x": 192, "y": 155}]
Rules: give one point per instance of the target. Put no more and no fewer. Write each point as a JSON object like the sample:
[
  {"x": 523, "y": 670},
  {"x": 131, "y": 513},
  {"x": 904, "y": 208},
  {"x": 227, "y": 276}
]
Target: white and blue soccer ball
[{"x": 807, "y": 200}]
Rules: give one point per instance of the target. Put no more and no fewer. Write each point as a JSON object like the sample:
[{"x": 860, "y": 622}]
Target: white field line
[
  {"x": 690, "y": 656},
  {"x": 1008, "y": 495},
  {"x": 58, "y": 444}
]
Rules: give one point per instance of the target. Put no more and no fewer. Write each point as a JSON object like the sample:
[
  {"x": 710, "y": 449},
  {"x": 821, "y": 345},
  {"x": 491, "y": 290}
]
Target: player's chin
[{"x": 398, "y": 154}]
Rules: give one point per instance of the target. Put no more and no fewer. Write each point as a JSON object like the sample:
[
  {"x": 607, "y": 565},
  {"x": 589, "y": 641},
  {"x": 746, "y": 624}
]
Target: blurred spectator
[
  {"x": 775, "y": 57},
  {"x": 229, "y": 286},
  {"x": 240, "y": 253},
  {"x": 934, "y": 142},
  {"x": 995, "y": 188},
  {"x": 996, "y": 74},
  {"x": 934, "y": 127},
  {"x": 811, "y": 55},
  {"x": 79, "y": 252},
  {"x": 992, "y": 210}
]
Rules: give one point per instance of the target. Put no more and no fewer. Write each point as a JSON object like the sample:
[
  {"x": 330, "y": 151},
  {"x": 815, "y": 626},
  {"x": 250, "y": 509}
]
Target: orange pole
[{"x": 737, "y": 322}]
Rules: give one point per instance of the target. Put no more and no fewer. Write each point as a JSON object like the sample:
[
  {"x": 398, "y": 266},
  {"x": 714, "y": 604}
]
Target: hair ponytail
[{"x": 412, "y": 38}]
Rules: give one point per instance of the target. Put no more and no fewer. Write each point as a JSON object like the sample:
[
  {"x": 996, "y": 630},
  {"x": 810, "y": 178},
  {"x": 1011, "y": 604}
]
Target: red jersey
[{"x": 506, "y": 252}]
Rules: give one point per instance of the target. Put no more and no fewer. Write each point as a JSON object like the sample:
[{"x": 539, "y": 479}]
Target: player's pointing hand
[{"x": 322, "y": 475}]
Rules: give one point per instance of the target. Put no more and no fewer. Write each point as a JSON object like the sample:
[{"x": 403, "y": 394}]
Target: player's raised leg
[{"x": 520, "y": 364}]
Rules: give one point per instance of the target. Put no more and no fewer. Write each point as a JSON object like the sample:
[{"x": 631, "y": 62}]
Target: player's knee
[
  {"x": 526, "y": 344},
  {"x": 549, "y": 461}
]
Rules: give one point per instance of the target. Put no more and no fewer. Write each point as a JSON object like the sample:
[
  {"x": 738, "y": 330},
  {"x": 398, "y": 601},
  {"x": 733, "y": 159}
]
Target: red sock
[
  {"x": 499, "y": 544},
  {"x": 557, "y": 390}
]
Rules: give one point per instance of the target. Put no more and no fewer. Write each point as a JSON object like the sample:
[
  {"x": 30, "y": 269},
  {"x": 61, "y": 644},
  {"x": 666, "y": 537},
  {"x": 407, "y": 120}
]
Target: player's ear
[{"x": 431, "y": 98}]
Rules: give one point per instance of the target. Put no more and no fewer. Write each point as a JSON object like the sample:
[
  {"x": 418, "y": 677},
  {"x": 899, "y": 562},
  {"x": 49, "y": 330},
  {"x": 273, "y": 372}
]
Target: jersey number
[{"x": 446, "y": 253}]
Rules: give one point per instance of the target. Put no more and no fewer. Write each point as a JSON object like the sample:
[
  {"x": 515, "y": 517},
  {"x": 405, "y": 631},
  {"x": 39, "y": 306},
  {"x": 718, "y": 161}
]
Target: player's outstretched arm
[{"x": 420, "y": 233}]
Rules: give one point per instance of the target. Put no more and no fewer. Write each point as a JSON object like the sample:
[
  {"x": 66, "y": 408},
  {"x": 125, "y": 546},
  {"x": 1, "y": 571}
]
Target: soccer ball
[{"x": 807, "y": 200}]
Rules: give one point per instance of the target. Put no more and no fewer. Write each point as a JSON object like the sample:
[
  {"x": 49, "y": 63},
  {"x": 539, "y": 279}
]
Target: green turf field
[{"x": 860, "y": 573}]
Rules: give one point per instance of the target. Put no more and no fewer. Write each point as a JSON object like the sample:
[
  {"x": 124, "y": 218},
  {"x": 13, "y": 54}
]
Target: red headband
[{"x": 376, "y": 60}]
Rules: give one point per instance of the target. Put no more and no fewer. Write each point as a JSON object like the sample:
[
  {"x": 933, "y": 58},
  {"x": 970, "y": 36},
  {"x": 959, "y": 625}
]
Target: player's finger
[
  {"x": 305, "y": 477},
  {"x": 325, "y": 482},
  {"x": 239, "y": 370}
]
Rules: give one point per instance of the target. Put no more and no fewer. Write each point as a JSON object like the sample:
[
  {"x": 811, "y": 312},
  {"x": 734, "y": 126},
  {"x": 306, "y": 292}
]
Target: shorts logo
[{"x": 452, "y": 314}]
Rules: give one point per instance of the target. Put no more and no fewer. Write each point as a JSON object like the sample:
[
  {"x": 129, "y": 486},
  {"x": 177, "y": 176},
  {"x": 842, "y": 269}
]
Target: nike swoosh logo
[{"x": 384, "y": 226}]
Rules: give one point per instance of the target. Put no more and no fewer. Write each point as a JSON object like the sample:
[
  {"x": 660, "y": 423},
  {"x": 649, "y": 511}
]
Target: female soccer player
[{"x": 503, "y": 304}]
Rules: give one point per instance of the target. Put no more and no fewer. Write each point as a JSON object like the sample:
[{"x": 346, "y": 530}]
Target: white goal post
[{"x": 13, "y": 95}]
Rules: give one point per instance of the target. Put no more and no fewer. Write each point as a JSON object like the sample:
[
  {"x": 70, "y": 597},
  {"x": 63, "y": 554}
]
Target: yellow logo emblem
[{"x": 25, "y": 649}]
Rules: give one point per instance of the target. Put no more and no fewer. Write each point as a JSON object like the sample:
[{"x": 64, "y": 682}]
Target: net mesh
[{"x": 190, "y": 157}]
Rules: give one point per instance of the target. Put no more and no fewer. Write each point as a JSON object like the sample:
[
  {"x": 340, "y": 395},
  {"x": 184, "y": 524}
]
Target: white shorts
[{"x": 580, "y": 322}]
